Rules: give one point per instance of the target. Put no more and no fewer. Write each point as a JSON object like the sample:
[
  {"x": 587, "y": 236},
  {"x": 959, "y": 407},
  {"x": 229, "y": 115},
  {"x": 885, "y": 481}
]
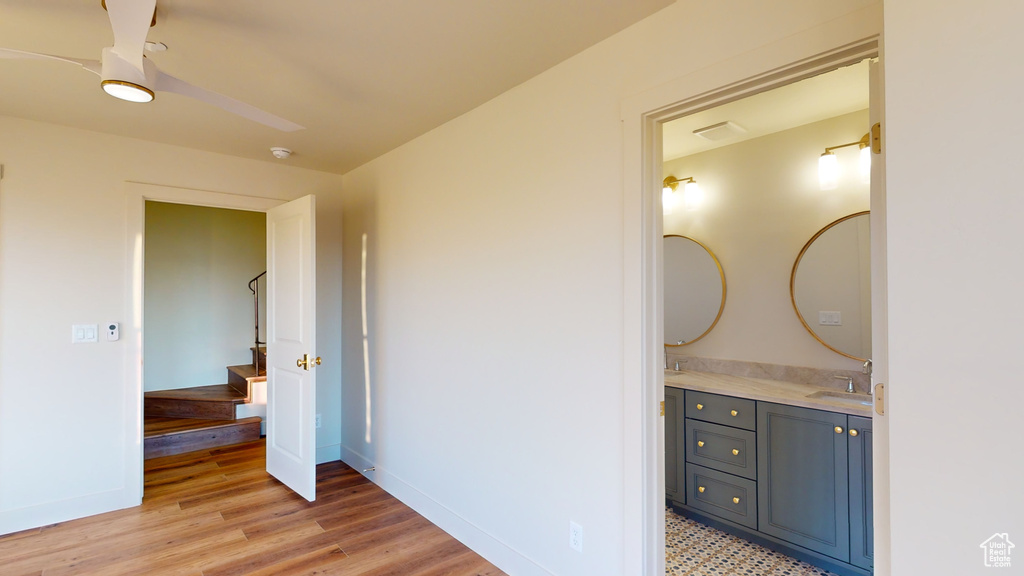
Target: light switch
[
  {"x": 82, "y": 333},
  {"x": 830, "y": 318}
]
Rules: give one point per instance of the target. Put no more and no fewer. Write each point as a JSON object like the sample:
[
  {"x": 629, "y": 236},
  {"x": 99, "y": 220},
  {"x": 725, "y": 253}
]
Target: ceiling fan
[{"x": 127, "y": 74}]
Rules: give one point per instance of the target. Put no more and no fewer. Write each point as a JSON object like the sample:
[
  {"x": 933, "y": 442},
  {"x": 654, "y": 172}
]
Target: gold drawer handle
[
  {"x": 700, "y": 406},
  {"x": 839, "y": 429},
  {"x": 735, "y": 452},
  {"x": 700, "y": 489},
  {"x": 736, "y": 500},
  {"x": 734, "y": 413},
  {"x": 853, "y": 432},
  {"x": 700, "y": 443}
]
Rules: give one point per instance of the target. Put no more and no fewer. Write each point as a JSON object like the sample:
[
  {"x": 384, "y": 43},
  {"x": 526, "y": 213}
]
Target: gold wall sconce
[
  {"x": 828, "y": 164},
  {"x": 692, "y": 194}
]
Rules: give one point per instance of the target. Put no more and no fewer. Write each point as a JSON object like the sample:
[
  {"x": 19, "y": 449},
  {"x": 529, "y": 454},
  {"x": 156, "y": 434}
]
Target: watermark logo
[{"x": 997, "y": 550}]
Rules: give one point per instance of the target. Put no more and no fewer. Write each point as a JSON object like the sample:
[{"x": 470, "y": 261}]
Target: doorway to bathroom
[
  {"x": 645, "y": 115},
  {"x": 766, "y": 275}
]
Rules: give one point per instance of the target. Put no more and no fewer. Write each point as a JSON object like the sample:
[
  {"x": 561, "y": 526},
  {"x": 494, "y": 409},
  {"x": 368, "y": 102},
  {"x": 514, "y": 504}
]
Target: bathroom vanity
[{"x": 785, "y": 465}]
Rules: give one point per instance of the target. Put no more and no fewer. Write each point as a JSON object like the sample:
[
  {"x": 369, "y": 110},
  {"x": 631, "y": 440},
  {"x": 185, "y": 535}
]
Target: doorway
[
  {"x": 752, "y": 198},
  {"x": 644, "y": 116},
  {"x": 137, "y": 195}
]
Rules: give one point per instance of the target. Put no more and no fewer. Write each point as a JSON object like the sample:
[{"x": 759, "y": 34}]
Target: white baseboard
[
  {"x": 52, "y": 512},
  {"x": 493, "y": 550},
  {"x": 331, "y": 453}
]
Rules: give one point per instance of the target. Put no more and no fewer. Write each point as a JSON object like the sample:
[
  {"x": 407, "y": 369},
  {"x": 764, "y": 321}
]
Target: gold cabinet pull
[
  {"x": 736, "y": 500},
  {"x": 734, "y": 413},
  {"x": 853, "y": 432},
  {"x": 700, "y": 406},
  {"x": 839, "y": 429},
  {"x": 735, "y": 452},
  {"x": 700, "y": 443},
  {"x": 700, "y": 489}
]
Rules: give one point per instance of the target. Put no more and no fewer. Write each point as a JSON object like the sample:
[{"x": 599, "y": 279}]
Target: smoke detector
[{"x": 280, "y": 153}]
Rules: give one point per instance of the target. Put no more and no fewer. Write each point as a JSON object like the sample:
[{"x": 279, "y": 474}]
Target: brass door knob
[
  {"x": 306, "y": 362},
  {"x": 700, "y": 489},
  {"x": 734, "y": 413},
  {"x": 735, "y": 452},
  {"x": 700, "y": 443},
  {"x": 853, "y": 432},
  {"x": 700, "y": 406},
  {"x": 736, "y": 500},
  {"x": 839, "y": 429}
]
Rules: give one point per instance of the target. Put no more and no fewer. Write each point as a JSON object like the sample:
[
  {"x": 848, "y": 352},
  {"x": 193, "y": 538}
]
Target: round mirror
[
  {"x": 694, "y": 290},
  {"x": 831, "y": 286}
]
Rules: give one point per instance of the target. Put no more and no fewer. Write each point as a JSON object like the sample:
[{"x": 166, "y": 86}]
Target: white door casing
[
  {"x": 291, "y": 334},
  {"x": 879, "y": 331}
]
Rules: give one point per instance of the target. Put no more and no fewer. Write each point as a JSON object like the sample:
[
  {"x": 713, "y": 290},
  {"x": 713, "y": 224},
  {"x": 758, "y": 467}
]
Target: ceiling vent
[{"x": 720, "y": 131}]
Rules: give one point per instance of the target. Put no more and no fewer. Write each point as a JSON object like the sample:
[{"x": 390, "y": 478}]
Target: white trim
[
  {"x": 48, "y": 513},
  {"x": 136, "y": 195},
  {"x": 490, "y": 548},
  {"x": 329, "y": 453},
  {"x": 788, "y": 60}
]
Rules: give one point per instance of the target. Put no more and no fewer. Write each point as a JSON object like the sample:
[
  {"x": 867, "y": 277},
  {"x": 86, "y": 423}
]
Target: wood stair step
[
  {"x": 215, "y": 402},
  {"x": 168, "y": 436}
]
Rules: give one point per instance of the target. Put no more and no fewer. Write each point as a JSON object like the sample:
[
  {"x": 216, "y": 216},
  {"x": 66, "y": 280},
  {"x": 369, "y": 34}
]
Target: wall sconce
[
  {"x": 828, "y": 164},
  {"x": 692, "y": 194}
]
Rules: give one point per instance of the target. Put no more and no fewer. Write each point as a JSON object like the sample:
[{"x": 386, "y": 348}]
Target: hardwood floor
[{"x": 218, "y": 513}]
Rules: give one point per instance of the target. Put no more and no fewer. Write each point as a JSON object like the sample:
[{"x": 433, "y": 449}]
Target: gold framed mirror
[
  {"x": 694, "y": 290},
  {"x": 830, "y": 286}
]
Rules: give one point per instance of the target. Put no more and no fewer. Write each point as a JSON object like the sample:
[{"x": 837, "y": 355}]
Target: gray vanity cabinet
[
  {"x": 803, "y": 478},
  {"x": 675, "y": 469},
  {"x": 861, "y": 525},
  {"x": 793, "y": 478}
]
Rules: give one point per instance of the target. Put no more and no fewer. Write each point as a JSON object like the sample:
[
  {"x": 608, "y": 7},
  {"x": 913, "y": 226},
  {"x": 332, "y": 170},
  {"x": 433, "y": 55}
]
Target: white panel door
[{"x": 291, "y": 339}]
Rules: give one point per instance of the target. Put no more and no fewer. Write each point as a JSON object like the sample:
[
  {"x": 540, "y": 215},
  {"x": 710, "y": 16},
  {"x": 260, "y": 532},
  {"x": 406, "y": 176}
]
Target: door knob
[{"x": 306, "y": 362}]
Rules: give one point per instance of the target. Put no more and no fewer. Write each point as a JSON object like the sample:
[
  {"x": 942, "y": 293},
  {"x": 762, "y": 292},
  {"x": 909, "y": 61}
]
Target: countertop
[{"x": 767, "y": 390}]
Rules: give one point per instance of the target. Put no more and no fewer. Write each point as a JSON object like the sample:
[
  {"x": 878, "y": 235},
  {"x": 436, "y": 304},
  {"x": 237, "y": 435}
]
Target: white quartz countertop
[{"x": 768, "y": 391}]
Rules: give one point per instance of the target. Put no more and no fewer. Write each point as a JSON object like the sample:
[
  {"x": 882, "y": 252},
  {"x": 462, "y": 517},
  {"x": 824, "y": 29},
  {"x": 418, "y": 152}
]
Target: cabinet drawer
[
  {"x": 726, "y": 410},
  {"x": 721, "y": 494},
  {"x": 721, "y": 448}
]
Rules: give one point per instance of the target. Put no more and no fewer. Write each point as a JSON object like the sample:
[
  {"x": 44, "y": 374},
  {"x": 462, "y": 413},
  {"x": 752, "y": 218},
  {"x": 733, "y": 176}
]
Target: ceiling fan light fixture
[{"x": 128, "y": 91}]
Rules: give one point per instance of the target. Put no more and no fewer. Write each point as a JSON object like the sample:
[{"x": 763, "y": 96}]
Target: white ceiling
[
  {"x": 825, "y": 96},
  {"x": 363, "y": 76}
]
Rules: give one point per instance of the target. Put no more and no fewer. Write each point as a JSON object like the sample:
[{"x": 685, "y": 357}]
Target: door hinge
[
  {"x": 876, "y": 138},
  {"x": 662, "y": 408}
]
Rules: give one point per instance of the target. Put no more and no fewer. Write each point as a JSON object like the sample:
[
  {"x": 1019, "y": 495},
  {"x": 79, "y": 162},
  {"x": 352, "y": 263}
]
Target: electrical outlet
[
  {"x": 317, "y": 420},
  {"x": 575, "y": 536}
]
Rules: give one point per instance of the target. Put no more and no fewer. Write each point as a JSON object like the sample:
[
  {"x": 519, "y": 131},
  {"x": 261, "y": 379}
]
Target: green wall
[{"x": 198, "y": 307}]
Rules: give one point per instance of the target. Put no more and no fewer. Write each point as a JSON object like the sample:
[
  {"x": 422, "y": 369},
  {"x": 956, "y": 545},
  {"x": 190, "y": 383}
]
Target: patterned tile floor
[{"x": 693, "y": 549}]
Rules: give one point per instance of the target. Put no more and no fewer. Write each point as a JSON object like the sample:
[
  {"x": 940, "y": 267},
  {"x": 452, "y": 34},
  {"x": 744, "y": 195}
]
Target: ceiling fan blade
[
  {"x": 167, "y": 83},
  {"x": 130, "y": 20},
  {"x": 10, "y": 53}
]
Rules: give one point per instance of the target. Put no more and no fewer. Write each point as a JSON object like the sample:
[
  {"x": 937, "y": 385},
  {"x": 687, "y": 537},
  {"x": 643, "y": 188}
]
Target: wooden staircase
[{"x": 190, "y": 419}]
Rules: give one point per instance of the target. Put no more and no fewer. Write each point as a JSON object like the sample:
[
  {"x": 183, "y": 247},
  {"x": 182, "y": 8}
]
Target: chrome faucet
[{"x": 849, "y": 382}]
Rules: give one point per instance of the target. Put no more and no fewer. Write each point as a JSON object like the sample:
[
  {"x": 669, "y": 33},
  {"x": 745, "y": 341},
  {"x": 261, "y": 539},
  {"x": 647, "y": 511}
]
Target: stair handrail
[{"x": 254, "y": 288}]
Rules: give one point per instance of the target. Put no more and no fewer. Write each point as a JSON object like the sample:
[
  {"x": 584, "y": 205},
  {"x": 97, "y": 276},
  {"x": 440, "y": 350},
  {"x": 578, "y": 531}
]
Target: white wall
[
  {"x": 198, "y": 307},
  {"x": 63, "y": 261},
  {"x": 496, "y": 303},
  {"x": 956, "y": 276},
  {"x": 762, "y": 204}
]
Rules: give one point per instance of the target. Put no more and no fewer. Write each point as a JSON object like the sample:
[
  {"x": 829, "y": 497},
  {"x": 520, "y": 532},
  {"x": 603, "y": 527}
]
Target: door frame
[
  {"x": 643, "y": 377},
  {"x": 136, "y": 195}
]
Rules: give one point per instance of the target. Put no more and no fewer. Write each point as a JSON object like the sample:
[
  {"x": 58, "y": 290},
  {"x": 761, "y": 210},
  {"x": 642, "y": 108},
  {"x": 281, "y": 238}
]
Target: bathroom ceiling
[
  {"x": 825, "y": 96},
  {"x": 363, "y": 77}
]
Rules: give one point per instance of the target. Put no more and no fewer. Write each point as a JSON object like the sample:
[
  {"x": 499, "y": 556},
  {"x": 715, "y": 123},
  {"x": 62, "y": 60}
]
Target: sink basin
[{"x": 839, "y": 396}]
